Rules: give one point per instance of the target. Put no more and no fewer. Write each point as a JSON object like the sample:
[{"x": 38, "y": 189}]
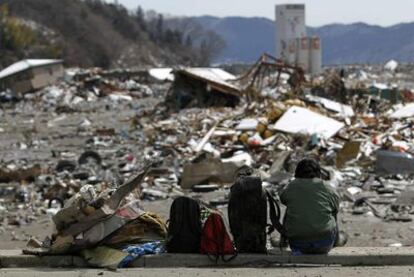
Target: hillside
[
  {"x": 95, "y": 33},
  {"x": 90, "y": 33},
  {"x": 247, "y": 38}
]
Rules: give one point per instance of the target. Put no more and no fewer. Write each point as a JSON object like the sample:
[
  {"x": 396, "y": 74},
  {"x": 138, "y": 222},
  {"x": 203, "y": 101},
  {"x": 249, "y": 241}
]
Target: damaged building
[
  {"x": 203, "y": 87},
  {"x": 32, "y": 74}
]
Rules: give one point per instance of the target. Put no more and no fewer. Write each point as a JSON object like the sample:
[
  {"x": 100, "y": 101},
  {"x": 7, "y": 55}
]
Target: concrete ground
[{"x": 200, "y": 272}]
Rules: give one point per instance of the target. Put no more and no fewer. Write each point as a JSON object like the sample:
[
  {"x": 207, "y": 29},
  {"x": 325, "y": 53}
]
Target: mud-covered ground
[{"x": 31, "y": 133}]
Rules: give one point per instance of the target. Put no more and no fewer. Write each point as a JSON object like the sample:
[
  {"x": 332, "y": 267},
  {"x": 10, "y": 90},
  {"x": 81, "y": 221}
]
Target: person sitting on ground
[{"x": 312, "y": 208}]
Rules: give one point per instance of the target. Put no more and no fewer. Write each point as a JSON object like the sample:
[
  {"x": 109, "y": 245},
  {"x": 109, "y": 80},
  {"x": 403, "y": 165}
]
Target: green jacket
[{"x": 312, "y": 206}]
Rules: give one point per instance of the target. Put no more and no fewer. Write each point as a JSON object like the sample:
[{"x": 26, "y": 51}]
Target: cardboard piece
[
  {"x": 103, "y": 229},
  {"x": 349, "y": 152},
  {"x": 208, "y": 170}
]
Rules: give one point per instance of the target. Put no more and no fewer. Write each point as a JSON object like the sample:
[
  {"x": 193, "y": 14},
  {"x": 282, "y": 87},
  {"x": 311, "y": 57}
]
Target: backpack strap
[
  {"x": 223, "y": 258},
  {"x": 274, "y": 213},
  {"x": 227, "y": 233}
]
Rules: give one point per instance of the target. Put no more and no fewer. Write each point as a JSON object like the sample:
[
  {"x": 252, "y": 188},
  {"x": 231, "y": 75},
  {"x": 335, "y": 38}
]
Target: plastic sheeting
[{"x": 136, "y": 251}]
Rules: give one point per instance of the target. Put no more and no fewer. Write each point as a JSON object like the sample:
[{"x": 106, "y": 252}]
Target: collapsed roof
[
  {"x": 203, "y": 87},
  {"x": 25, "y": 65},
  {"x": 216, "y": 78}
]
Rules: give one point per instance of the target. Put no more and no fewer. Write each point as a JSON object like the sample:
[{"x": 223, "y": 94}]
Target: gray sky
[{"x": 319, "y": 12}]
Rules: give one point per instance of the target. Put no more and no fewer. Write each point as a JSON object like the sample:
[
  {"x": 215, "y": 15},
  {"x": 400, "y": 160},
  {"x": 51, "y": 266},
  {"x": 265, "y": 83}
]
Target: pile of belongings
[{"x": 105, "y": 229}]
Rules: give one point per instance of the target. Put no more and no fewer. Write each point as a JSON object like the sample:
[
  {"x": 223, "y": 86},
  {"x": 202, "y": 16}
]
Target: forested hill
[{"x": 93, "y": 33}]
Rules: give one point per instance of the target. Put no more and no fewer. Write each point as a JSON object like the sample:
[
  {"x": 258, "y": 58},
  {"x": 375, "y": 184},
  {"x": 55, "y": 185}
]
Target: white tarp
[
  {"x": 303, "y": 121},
  {"x": 404, "y": 112}
]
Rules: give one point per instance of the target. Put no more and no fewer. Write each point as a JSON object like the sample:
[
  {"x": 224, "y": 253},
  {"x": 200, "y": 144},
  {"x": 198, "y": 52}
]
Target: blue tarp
[{"x": 136, "y": 251}]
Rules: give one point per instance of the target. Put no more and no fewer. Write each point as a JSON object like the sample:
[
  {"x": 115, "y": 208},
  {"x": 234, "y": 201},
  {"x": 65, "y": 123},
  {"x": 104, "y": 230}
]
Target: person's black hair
[
  {"x": 244, "y": 171},
  {"x": 308, "y": 169}
]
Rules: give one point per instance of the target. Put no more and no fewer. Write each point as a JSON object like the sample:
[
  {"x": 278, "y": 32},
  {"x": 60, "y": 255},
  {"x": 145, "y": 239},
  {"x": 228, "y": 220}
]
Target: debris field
[{"x": 96, "y": 129}]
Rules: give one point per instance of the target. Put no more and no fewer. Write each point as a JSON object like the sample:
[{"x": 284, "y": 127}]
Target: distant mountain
[
  {"x": 247, "y": 38},
  {"x": 363, "y": 43}
]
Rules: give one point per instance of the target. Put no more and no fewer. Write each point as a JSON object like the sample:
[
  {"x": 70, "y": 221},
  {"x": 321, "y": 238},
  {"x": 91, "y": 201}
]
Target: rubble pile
[
  {"x": 95, "y": 130},
  {"x": 61, "y": 138}
]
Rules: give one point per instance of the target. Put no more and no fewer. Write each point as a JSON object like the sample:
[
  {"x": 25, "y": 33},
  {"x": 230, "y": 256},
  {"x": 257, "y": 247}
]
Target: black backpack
[
  {"x": 184, "y": 227},
  {"x": 248, "y": 215}
]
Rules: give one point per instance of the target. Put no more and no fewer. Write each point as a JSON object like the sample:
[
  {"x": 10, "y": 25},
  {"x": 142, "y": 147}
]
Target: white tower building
[
  {"x": 292, "y": 43},
  {"x": 290, "y": 25}
]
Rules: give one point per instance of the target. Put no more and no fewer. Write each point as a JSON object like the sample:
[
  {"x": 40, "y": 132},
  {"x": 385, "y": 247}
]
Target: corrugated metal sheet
[{"x": 24, "y": 65}]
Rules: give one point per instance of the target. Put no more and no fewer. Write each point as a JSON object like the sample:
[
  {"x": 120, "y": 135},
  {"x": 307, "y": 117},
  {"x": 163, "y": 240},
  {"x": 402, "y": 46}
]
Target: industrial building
[
  {"x": 29, "y": 75},
  {"x": 292, "y": 43}
]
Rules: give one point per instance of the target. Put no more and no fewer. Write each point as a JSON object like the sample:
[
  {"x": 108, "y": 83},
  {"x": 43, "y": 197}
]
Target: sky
[{"x": 318, "y": 12}]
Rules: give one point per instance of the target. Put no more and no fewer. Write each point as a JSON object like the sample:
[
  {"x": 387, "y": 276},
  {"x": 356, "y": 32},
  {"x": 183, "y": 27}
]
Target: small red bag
[{"x": 215, "y": 239}]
